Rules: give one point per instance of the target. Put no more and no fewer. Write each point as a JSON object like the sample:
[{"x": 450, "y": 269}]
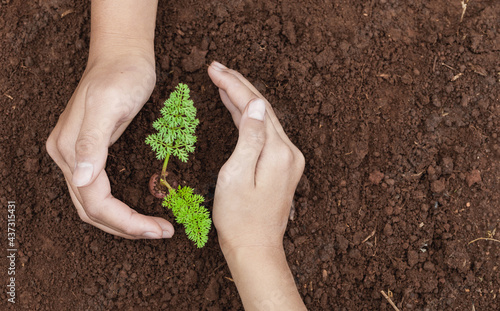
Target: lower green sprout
[{"x": 185, "y": 206}]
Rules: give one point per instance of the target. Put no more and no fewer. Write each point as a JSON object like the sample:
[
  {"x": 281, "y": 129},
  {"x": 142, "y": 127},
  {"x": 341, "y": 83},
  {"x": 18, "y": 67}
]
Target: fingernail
[
  {"x": 82, "y": 174},
  {"x": 167, "y": 234},
  {"x": 218, "y": 66},
  {"x": 151, "y": 235},
  {"x": 257, "y": 109}
]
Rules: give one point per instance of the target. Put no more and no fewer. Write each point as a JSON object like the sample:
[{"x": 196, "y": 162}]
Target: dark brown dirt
[{"x": 395, "y": 105}]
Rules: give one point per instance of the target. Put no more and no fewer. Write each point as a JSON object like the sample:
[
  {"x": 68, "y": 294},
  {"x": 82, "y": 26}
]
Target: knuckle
[
  {"x": 62, "y": 146},
  {"x": 226, "y": 174},
  {"x": 124, "y": 103},
  {"x": 285, "y": 157},
  {"x": 51, "y": 146},
  {"x": 88, "y": 141},
  {"x": 119, "y": 102},
  {"x": 229, "y": 81},
  {"x": 256, "y": 137},
  {"x": 93, "y": 213},
  {"x": 57, "y": 149},
  {"x": 123, "y": 110},
  {"x": 300, "y": 160},
  {"x": 289, "y": 157},
  {"x": 84, "y": 217},
  {"x": 128, "y": 230}
]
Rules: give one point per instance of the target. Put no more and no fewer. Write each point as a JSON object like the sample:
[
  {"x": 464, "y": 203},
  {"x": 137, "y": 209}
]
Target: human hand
[
  {"x": 111, "y": 92},
  {"x": 256, "y": 185},
  {"x": 253, "y": 196}
]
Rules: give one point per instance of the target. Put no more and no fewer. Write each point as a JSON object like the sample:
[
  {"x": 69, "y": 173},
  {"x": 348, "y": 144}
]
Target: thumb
[
  {"x": 252, "y": 136},
  {"x": 91, "y": 147}
]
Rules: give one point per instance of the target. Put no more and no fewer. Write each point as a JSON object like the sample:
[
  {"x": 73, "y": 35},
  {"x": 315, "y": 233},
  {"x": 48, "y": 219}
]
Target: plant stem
[
  {"x": 164, "y": 169},
  {"x": 166, "y": 184},
  {"x": 164, "y": 174}
]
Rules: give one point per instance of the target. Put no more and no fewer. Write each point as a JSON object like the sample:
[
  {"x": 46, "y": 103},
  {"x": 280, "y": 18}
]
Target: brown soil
[{"x": 395, "y": 105}]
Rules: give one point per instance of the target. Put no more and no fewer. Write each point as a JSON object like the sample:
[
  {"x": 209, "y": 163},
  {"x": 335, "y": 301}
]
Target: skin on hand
[
  {"x": 253, "y": 197},
  {"x": 118, "y": 80},
  {"x": 256, "y": 185}
]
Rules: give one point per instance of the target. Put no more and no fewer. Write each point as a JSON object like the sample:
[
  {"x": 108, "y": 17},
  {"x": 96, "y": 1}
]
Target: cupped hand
[
  {"x": 256, "y": 185},
  {"x": 109, "y": 95}
]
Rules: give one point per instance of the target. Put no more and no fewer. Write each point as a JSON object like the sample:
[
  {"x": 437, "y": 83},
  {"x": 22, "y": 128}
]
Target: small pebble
[
  {"x": 438, "y": 186},
  {"x": 473, "y": 177},
  {"x": 324, "y": 275},
  {"x": 376, "y": 177}
]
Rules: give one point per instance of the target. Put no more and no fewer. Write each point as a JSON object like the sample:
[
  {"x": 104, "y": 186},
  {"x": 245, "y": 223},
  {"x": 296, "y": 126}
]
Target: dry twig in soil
[
  {"x": 489, "y": 237},
  {"x": 464, "y": 8},
  {"x": 371, "y": 235},
  {"x": 390, "y": 300}
]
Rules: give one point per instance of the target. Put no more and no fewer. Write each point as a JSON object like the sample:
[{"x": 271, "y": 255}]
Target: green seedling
[{"x": 176, "y": 137}]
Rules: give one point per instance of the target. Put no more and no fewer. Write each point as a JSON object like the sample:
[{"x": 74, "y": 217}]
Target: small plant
[{"x": 176, "y": 136}]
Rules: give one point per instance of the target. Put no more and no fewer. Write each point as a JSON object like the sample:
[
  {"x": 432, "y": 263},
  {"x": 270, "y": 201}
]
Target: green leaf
[
  {"x": 176, "y": 127},
  {"x": 187, "y": 210}
]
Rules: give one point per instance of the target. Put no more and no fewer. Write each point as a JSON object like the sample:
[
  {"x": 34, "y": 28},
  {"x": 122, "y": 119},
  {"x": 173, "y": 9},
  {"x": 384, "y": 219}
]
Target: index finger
[{"x": 240, "y": 92}]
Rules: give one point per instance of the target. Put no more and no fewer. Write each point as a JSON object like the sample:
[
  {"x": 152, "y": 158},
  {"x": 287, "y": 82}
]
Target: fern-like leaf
[
  {"x": 176, "y": 127},
  {"x": 185, "y": 206}
]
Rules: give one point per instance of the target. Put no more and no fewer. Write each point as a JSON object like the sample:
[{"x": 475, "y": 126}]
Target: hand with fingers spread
[
  {"x": 253, "y": 196},
  {"x": 119, "y": 78}
]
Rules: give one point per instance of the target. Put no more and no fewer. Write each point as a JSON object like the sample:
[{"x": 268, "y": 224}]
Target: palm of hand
[{"x": 106, "y": 100}]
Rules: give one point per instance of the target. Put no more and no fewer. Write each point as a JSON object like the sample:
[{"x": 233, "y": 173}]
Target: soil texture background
[{"x": 395, "y": 105}]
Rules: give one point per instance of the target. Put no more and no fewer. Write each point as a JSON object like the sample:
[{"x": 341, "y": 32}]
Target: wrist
[
  {"x": 122, "y": 27},
  {"x": 263, "y": 278},
  {"x": 234, "y": 246},
  {"x": 106, "y": 48},
  {"x": 254, "y": 255}
]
